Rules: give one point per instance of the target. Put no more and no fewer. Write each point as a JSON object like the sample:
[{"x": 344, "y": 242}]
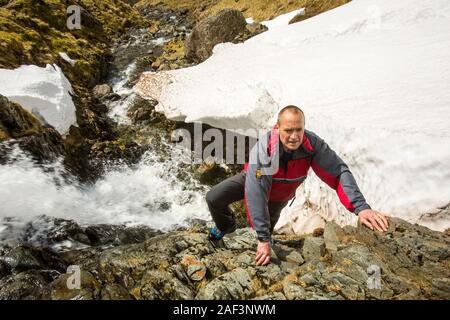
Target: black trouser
[{"x": 229, "y": 191}]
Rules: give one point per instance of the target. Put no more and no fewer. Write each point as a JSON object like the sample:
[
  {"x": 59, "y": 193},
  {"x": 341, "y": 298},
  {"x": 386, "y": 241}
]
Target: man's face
[{"x": 291, "y": 128}]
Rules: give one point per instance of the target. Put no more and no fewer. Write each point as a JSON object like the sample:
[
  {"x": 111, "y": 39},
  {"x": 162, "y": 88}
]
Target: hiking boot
[{"x": 215, "y": 234}]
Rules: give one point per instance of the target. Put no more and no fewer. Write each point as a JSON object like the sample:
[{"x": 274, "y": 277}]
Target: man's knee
[{"x": 212, "y": 197}]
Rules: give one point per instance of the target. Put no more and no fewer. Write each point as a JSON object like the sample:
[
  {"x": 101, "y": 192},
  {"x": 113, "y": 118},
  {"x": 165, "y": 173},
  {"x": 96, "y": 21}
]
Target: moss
[
  {"x": 259, "y": 10},
  {"x": 3, "y": 134}
]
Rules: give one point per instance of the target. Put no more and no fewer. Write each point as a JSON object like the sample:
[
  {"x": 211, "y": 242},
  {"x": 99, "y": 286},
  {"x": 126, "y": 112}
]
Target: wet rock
[
  {"x": 22, "y": 258},
  {"x": 26, "y": 257},
  {"x": 105, "y": 234},
  {"x": 112, "y": 97},
  {"x": 5, "y": 269},
  {"x": 28, "y": 285},
  {"x": 222, "y": 27},
  {"x": 313, "y": 248},
  {"x": 143, "y": 111}
]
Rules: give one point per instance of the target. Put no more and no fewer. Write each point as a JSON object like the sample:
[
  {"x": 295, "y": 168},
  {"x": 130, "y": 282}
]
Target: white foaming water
[{"x": 149, "y": 194}]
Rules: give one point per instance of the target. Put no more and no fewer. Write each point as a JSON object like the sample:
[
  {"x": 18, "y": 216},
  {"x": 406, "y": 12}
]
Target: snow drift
[{"x": 45, "y": 91}]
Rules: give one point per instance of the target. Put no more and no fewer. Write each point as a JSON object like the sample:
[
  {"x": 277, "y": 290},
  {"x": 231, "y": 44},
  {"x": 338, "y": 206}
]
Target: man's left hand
[{"x": 374, "y": 219}]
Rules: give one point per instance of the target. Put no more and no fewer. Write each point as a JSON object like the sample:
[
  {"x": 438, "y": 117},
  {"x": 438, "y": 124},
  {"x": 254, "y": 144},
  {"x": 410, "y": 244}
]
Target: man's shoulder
[{"x": 312, "y": 141}]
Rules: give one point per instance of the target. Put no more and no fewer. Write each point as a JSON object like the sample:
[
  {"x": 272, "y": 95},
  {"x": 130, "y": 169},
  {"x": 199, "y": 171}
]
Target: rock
[
  {"x": 5, "y": 269},
  {"x": 64, "y": 288},
  {"x": 298, "y": 17},
  {"x": 182, "y": 265},
  {"x": 28, "y": 285},
  {"x": 101, "y": 90},
  {"x": 104, "y": 234},
  {"x": 309, "y": 279},
  {"x": 271, "y": 296},
  {"x": 313, "y": 248},
  {"x": 214, "y": 266},
  {"x": 288, "y": 254},
  {"x": 158, "y": 284},
  {"x": 222, "y": 27},
  {"x": 143, "y": 111},
  {"x": 235, "y": 284},
  {"x": 114, "y": 292},
  {"x": 156, "y": 64},
  {"x": 210, "y": 172},
  {"x": 292, "y": 290},
  {"x": 22, "y": 258},
  {"x": 332, "y": 236},
  {"x": 112, "y": 96},
  {"x": 195, "y": 269},
  {"x": 441, "y": 288},
  {"x": 256, "y": 28},
  {"x": 43, "y": 142},
  {"x": 25, "y": 257}
]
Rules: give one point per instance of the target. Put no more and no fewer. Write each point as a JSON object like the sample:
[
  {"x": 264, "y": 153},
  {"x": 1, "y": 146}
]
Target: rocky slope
[{"x": 407, "y": 262}]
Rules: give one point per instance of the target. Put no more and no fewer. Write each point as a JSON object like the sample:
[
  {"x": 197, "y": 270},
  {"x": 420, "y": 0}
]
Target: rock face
[
  {"x": 41, "y": 140},
  {"x": 407, "y": 262},
  {"x": 222, "y": 27}
]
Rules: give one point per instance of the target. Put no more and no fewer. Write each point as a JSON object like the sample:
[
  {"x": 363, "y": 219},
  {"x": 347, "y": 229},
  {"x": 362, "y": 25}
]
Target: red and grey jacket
[{"x": 270, "y": 177}]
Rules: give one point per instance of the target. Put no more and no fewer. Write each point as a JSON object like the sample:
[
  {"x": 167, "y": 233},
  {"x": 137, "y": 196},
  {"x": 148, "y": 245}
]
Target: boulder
[
  {"x": 41, "y": 140},
  {"x": 219, "y": 28},
  {"x": 101, "y": 91}
]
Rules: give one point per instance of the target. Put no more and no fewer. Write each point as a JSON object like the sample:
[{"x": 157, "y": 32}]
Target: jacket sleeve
[
  {"x": 258, "y": 182},
  {"x": 331, "y": 169}
]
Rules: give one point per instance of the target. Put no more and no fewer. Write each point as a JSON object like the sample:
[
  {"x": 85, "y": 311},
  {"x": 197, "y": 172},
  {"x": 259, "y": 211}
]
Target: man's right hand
[{"x": 263, "y": 253}]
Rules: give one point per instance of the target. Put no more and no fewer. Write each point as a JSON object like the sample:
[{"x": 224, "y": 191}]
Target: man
[{"x": 267, "y": 188}]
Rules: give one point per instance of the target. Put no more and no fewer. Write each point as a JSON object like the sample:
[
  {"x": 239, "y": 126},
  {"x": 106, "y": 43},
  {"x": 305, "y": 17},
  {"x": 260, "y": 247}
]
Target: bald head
[{"x": 290, "y": 111}]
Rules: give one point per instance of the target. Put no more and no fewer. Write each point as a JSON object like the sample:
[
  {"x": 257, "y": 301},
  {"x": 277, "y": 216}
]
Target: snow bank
[
  {"x": 282, "y": 20},
  {"x": 45, "y": 91},
  {"x": 373, "y": 78}
]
